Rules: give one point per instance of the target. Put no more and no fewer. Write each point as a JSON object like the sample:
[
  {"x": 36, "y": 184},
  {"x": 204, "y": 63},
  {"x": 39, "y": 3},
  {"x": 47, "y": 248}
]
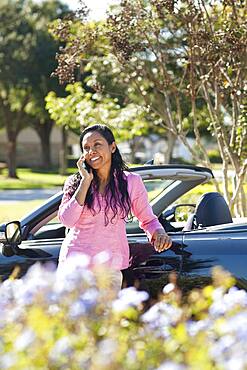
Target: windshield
[{"x": 154, "y": 188}]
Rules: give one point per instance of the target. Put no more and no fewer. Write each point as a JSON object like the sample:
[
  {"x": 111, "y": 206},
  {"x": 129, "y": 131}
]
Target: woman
[{"x": 97, "y": 201}]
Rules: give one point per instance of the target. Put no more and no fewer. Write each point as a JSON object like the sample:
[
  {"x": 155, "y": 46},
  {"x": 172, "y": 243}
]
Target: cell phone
[{"x": 86, "y": 166}]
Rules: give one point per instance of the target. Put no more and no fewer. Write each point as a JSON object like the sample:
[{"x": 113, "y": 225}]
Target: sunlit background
[{"x": 98, "y": 7}]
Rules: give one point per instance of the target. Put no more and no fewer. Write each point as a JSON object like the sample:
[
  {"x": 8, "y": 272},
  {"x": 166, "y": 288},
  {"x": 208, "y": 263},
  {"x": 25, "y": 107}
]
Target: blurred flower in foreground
[
  {"x": 72, "y": 318},
  {"x": 129, "y": 297},
  {"x": 161, "y": 317},
  {"x": 171, "y": 366}
]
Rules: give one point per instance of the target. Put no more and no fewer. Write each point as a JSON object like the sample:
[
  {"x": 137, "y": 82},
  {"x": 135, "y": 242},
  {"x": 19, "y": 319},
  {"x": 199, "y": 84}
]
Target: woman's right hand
[{"x": 88, "y": 176}]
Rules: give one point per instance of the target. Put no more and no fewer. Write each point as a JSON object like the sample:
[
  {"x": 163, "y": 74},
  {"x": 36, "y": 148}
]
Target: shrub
[
  {"x": 75, "y": 320},
  {"x": 214, "y": 156}
]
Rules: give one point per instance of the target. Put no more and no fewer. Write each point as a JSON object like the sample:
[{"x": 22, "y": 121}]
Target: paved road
[
  {"x": 7, "y": 196},
  {"x": 219, "y": 174}
]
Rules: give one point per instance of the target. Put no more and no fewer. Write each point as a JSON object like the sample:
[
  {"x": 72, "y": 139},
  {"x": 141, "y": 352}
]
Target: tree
[
  {"x": 27, "y": 58},
  {"x": 14, "y": 92},
  {"x": 174, "y": 51},
  {"x": 101, "y": 71},
  {"x": 43, "y": 57},
  {"x": 81, "y": 108}
]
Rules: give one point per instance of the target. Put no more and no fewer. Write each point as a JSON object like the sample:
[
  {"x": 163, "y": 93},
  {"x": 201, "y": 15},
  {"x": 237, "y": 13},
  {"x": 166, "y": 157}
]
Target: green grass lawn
[
  {"x": 13, "y": 211},
  {"x": 32, "y": 179}
]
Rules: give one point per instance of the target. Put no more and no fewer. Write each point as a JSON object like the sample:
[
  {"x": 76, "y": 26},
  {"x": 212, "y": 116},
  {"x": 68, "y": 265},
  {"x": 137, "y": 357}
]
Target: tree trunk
[
  {"x": 11, "y": 158},
  {"x": 243, "y": 202},
  {"x": 63, "y": 152},
  {"x": 171, "y": 139},
  {"x": 238, "y": 201},
  {"x": 44, "y": 132},
  {"x": 133, "y": 143}
]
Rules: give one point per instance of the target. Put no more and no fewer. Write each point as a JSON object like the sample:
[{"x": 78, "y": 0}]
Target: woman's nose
[{"x": 92, "y": 149}]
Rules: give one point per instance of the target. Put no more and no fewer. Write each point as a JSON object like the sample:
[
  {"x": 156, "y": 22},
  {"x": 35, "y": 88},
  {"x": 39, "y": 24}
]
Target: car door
[
  {"x": 28, "y": 253},
  {"x": 150, "y": 270},
  {"x": 215, "y": 246}
]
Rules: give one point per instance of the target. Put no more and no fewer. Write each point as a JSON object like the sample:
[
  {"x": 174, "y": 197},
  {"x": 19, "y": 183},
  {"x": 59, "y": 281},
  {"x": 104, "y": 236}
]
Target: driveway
[{"x": 23, "y": 195}]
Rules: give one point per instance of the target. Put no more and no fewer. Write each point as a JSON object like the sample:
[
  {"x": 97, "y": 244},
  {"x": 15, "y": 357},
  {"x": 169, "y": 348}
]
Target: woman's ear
[{"x": 113, "y": 148}]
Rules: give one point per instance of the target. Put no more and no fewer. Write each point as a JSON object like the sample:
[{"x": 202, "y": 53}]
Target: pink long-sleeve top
[{"x": 88, "y": 233}]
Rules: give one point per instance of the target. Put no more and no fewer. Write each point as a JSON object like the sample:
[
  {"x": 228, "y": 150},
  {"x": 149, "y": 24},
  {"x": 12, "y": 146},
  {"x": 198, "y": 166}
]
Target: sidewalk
[
  {"x": 218, "y": 174},
  {"x": 22, "y": 195}
]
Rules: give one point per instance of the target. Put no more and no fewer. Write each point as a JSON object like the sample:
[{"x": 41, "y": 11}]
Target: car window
[
  {"x": 194, "y": 194},
  {"x": 183, "y": 203},
  {"x": 154, "y": 188},
  {"x": 54, "y": 220}
]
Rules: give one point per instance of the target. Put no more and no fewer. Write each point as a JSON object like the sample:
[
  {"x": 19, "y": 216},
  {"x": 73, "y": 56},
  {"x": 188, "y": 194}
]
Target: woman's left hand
[{"x": 160, "y": 240}]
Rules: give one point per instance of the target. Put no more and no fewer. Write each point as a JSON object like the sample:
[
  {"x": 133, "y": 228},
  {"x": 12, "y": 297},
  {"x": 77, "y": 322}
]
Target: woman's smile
[{"x": 94, "y": 159}]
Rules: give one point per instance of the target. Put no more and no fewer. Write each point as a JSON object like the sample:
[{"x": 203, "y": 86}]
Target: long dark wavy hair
[{"x": 116, "y": 192}]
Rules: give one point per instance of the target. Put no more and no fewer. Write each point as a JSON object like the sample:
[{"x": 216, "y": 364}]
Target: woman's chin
[{"x": 96, "y": 166}]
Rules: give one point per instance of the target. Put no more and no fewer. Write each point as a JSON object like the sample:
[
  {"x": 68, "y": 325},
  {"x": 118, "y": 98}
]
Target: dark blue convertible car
[{"x": 203, "y": 234}]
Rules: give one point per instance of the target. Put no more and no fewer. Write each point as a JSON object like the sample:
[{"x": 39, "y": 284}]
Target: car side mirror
[
  {"x": 13, "y": 233},
  {"x": 183, "y": 211},
  {"x": 179, "y": 212}
]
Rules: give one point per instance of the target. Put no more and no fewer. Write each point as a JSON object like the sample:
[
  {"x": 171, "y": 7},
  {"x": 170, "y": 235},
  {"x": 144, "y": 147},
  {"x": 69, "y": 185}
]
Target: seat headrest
[{"x": 212, "y": 209}]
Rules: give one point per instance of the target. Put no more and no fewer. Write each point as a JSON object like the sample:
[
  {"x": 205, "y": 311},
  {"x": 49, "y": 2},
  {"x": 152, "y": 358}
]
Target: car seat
[{"x": 210, "y": 210}]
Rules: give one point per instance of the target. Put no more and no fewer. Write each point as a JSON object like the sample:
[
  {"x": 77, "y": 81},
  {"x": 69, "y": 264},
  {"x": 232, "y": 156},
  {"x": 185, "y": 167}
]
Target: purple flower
[
  {"x": 160, "y": 317},
  {"x": 168, "y": 365},
  {"x": 194, "y": 327},
  {"x": 24, "y": 340},
  {"x": 8, "y": 360},
  {"x": 62, "y": 347},
  {"x": 226, "y": 302},
  {"x": 129, "y": 297}
]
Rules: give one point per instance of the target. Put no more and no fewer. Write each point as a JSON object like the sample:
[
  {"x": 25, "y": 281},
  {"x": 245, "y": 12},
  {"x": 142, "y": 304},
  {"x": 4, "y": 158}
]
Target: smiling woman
[{"x": 99, "y": 199}]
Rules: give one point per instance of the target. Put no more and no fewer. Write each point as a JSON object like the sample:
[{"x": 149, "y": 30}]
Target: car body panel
[{"x": 230, "y": 251}]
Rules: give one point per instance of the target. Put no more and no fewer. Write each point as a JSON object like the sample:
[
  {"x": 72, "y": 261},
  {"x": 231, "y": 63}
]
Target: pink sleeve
[
  {"x": 141, "y": 208},
  {"x": 69, "y": 210}
]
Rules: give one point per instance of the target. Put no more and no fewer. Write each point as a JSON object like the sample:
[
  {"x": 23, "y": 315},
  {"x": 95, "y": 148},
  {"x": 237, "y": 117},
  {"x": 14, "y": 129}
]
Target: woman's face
[{"x": 97, "y": 151}]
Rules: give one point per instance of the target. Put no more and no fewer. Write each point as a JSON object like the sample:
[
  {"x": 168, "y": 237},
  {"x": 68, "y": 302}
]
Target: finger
[
  {"x": 165, "y": 243},
  {"x": 160, "y": 248},
  {"x": 80, "y": 165},
  {"x": 158, "y": 242},
  {"x": 168, "y": 244},
  {"x": 81, "y": 159}
]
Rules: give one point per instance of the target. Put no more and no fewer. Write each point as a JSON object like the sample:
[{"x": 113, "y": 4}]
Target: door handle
[{"x": 150, "y": 269}]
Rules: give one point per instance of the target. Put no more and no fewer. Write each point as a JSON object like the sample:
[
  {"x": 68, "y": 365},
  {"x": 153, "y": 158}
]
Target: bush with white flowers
[{"x": 73, "y": 319}]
